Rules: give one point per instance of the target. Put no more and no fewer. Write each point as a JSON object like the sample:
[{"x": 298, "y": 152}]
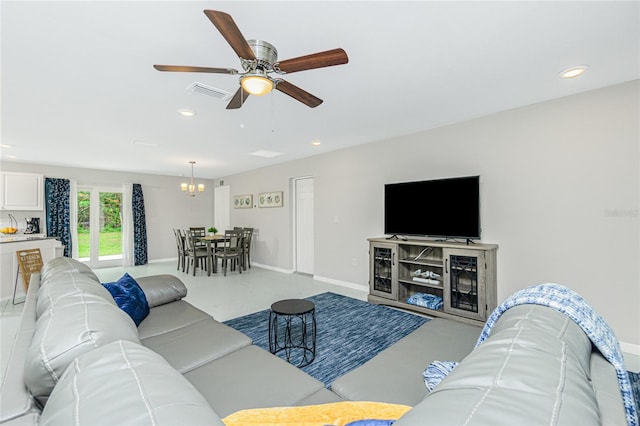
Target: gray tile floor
[{"x": 222, "y": 297}]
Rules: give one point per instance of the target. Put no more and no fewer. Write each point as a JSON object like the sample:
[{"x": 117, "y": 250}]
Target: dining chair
[
  {"x": 182, "y": 250},
  {"x": 196, "y": 255},
  {"x": 199, "y": 231},
  {"x": 247, "y": 235},
  {"x": 231, "y": 251}
]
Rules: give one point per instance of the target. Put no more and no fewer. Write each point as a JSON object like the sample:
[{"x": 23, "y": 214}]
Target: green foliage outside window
[
  {"x": 110, "y": 241},
  {"x": 110, "y": 217}
]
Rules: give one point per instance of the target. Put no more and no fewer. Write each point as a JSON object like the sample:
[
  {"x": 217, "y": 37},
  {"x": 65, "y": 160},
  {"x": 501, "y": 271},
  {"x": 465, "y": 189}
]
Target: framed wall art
[
  {"x": 270, "y": 199},
  {"x": 243, "y": 201}
]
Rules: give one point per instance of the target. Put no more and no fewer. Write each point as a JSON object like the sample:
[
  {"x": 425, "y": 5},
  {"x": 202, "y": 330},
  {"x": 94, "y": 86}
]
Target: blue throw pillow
[{"x": 129, "y": 297}]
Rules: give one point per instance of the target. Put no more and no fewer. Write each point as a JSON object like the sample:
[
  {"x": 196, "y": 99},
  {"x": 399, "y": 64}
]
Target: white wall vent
[{"x": 209, "y": 91}]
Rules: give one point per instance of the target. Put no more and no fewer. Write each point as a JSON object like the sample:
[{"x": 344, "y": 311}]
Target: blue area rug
[
  {"x": 635, "y": 385},
  {"x": 349, "y": 332}
]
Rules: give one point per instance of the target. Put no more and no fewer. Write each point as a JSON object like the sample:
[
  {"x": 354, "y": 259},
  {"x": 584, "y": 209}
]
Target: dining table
[{"x": 212, "y": 242}]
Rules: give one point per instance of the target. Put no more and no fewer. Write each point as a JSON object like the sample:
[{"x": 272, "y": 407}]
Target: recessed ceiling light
[
  {"x": 265, "y": 154},
  {"x": 316, "y": 142},
  {"x": 186, "y": 112},
  {"x": 574, "y": 72},
  {"x": 6, "y": 146},
  {"x": 13, "y": 157}
]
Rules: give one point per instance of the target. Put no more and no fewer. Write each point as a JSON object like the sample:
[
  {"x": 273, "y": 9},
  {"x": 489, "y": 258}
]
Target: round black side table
[{"x": 292, "y": 329}]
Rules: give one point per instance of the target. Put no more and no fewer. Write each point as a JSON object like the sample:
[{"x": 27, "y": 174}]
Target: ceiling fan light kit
[
  {"x": 256, "y": 84},
  {"x": 259, "y": 59}
]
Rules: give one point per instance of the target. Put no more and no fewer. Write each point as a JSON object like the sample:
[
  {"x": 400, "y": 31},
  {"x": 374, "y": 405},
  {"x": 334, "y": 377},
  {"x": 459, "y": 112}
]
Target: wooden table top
[{"x": 212, "y": 237}]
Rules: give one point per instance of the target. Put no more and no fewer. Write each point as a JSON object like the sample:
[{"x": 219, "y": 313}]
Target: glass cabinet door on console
[
  {"x": 383, "y": 270},
  {"x": 464, "y": 273}
]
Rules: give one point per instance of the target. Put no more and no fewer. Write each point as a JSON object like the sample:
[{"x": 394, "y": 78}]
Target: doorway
[
  {"x": 303, "y": 189},
  {"x": 99, "y": 226},
  {"x": 221, "y": 208}
]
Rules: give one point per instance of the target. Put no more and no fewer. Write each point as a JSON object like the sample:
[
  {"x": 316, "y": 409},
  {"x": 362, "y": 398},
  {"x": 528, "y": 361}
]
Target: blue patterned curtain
[
  {"x": 139, "y": 227},
  {"x": 57, "y": 192}
]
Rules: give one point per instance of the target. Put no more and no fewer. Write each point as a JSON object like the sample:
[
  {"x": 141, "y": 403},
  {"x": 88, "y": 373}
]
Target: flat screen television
[{"x": 443, "y": 208}]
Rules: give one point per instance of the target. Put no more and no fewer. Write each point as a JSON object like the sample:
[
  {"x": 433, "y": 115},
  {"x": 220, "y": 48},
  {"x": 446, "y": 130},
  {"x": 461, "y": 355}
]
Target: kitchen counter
[
  {"x": 22, "y": 237},
  {"x": 9, "y": 245}
]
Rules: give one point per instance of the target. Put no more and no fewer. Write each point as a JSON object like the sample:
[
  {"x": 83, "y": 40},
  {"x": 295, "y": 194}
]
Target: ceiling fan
[{"x": 259, "y": 61}]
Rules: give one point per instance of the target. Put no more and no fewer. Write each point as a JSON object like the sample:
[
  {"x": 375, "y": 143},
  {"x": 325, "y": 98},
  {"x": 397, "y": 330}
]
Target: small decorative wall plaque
[
  {"x": 243, "y": 201},
  {"x": 270, "y": 199}
]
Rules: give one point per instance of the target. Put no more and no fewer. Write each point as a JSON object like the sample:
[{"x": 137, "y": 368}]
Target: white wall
[
  {"x": 166, "y": 206},
  {"x": 559, "y": 194}
]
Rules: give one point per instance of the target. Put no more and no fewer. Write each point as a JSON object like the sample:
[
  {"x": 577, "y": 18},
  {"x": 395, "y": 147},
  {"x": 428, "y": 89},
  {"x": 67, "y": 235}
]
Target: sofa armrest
[
  {"x": 124, "y": 383},
  {"x": 533, "y": 369},
  {"x": 162, "y": 289}
]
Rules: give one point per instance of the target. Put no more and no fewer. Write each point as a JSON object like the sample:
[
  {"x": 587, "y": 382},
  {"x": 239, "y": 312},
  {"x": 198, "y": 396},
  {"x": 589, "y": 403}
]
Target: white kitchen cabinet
[{"x": 21, "y": 191}]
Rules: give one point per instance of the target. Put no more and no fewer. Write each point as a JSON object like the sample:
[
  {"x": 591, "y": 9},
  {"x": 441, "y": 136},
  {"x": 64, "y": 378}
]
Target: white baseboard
[
  {"x": 272, "y": 268},
  {"x": 169, "y": 259},
  {"x": 346, "y": 284},
  {"x": 342, "y": 283}
]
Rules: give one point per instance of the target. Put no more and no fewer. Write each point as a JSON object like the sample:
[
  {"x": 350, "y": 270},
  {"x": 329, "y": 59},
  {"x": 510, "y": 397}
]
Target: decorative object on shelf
[
  {"x": 426, "y": 300},
  {"x": 425, "y": 252},
  {"x": 242, "y": 201},
  {"x": 33, "y": 225},
  {"x": 190, "y": 188},
  {"x": 426, "y": 277},
  {"x": 426, "y": 281},
  {"x": 425, "y": 274},
  {"x": 13, "y": 226},
  {"x": 29, "y": 262},
  {"x": 270, "y": 199}
]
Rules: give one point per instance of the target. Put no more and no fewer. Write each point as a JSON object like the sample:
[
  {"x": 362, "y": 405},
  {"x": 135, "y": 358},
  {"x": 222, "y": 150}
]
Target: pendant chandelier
[{"x": 190, "y": 188}]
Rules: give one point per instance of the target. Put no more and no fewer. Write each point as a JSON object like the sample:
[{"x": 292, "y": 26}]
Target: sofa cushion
[
  {"x": 169, "y": 317},
  {"x": 196, "y": 344},
  {"x": 65, "y": 264},
  {"x": 395, "y": 374},
  {"x": 125, "y": 383},
  {"x": 70, "y": 327},
  {"x": 252, "y": 378},
  {"x": 129, "y": 297}
]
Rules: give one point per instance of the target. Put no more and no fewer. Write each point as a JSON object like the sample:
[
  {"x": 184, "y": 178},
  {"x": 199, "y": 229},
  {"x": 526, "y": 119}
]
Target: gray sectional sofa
[{"x": 80, "y": 359}]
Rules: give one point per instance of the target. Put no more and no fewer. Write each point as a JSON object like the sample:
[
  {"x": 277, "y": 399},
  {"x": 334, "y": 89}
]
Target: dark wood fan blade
[
  {"x": 229, "y": 30},
  {"x": 238, "y": 99},
  {"x": 184, "y": 68},
  {"x": 315, "y": 60},
  {"x": 297, "y": 93}
]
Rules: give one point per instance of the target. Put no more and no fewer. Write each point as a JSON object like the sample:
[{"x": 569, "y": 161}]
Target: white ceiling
[{"x": 78, "y": 87}]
